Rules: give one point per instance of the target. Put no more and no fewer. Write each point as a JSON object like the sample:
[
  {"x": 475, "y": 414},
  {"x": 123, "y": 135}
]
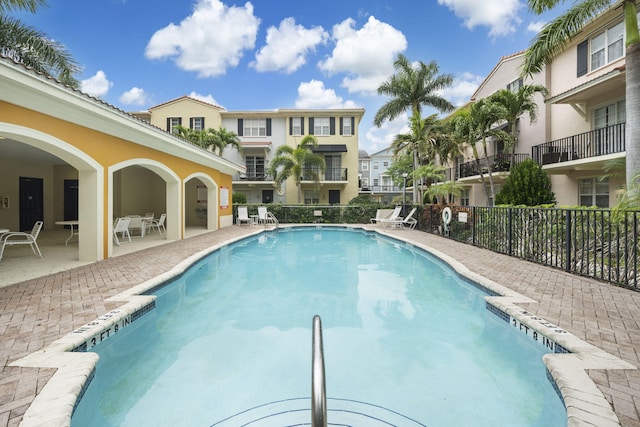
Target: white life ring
[{"x": 446, "y": 215}]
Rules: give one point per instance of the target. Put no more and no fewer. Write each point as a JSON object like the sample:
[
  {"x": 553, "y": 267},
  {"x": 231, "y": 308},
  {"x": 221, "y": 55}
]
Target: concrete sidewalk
[{"x": 37, "y": 312}]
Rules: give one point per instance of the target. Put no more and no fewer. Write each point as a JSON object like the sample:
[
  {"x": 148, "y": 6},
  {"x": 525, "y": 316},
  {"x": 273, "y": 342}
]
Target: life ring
[{"x": 446, "y": 215}]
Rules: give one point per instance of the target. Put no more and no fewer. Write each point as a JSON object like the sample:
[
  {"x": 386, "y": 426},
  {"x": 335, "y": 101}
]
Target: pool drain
[{"x": 297, "y": 412}]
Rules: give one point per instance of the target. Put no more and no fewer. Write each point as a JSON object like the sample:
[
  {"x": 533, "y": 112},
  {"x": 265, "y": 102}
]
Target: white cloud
[
  {"x": 287, "y": 46},
  {"x": 462, "y": 88},
  {"x": 535, "y": 27},
  {"x": 501, "y": 16},
  {"x": 377, "y": 139},
  {"x": 134, "y": 96},
  {"x": 97, "y": 85},
  {"x": 204, "y": 98},
  {"x": 208, "y": 41},
  {"x": 313, "y": 94},
  {"x": 366, "y": 55}
]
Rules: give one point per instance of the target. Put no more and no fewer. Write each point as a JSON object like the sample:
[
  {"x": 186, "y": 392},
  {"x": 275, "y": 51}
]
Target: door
[
  {"x": 31, "y": 202},
  {"x": 267, "y": 196},
  {"x": 334, "y": 197},
  {"x": 70, "y": 199}
]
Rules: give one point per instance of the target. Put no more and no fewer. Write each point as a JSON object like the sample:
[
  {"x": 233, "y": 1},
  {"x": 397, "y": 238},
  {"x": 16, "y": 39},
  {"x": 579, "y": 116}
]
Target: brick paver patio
[{"x": 37, "y": 312}]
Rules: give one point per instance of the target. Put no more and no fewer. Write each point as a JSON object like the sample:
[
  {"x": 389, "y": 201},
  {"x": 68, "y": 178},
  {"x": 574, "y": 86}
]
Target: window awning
[{"x": 330, "y": 148}]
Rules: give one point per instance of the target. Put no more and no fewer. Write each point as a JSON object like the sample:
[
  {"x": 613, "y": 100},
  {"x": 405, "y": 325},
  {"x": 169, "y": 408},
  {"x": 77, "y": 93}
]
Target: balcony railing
[
  {"x": 252, "y": 176},
  {"x": 382, "y": 188},
  {"x": 499, "y": 163},
  {"x": 330, "y": 174},
  {"x": 598, "y": 142}
]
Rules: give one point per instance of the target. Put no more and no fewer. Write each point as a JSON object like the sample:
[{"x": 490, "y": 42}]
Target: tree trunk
[
  {"x": 415, "y": 181},
  {"x": 632, "y": 126},
  {"x": 491, "y": 194},
  {"x": 479, "y": 166}
]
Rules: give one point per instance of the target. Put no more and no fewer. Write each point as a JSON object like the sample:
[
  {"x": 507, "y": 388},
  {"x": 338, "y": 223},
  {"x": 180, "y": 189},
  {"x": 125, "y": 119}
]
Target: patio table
[{"x": 70, "y": 224}]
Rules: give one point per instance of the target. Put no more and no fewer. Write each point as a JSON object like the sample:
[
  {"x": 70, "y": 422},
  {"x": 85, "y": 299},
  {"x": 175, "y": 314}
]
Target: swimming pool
[{"x": 407, "y": 342}]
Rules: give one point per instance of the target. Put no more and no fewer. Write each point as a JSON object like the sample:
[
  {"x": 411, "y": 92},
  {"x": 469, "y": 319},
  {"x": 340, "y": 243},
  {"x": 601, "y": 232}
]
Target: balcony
[
  {"x": 330, "y": 174},
  {"x": 252, "y": 176},
  {"x": 382, "y": 189},
  {"x": 499, "y": 163},
  {"x": 598, "y": 142}
]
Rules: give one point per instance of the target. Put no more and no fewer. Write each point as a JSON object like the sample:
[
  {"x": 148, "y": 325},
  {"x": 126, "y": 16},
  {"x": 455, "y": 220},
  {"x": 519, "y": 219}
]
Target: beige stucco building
[{"x": 262, "y": 132}]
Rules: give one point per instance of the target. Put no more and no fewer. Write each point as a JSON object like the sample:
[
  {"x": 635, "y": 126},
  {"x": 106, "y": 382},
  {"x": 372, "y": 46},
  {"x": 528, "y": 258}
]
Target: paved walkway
[{"x": 37, "y": 312}]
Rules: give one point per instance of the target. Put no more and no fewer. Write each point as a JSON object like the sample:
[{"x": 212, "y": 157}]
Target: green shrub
[
  {"x": 527, "y": 185},
  {"x": 239, "y": 199}
]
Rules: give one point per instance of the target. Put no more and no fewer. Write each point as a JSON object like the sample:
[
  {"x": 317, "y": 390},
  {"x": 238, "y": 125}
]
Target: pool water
[{"x": 406, "y": 341}]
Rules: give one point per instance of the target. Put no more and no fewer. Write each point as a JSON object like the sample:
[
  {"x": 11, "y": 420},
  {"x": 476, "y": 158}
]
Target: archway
[{"x": 201, "y": 201}]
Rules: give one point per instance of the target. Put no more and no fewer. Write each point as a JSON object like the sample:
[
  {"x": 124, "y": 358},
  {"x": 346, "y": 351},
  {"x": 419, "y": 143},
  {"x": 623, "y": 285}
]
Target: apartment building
[
  {"x": 580, "y": 125},
  {"x": 375, "y": 179},
  {"x": 262, "y": 132}
]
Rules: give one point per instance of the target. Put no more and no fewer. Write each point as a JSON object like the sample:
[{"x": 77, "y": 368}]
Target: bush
[
  {"x": 239, "y": 199},
  {"x": 362, "y": 200},
  {"x": 527, "y": 185}
]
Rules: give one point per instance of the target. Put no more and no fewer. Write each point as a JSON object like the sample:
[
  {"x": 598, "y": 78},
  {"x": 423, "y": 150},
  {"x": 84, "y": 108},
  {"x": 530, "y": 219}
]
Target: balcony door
[{"x": 607, "y": 134}]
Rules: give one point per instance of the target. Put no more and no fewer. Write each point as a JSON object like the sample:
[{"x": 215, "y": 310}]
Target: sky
[{"x": 271, "y": 54}]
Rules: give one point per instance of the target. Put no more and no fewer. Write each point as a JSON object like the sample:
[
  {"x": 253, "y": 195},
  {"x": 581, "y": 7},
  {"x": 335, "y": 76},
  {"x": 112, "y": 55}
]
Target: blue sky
[{"x": 269, "y": 54}]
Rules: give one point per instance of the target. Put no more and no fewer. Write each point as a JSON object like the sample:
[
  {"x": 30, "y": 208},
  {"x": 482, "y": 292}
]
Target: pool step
[{"x": 341, "y": 412}]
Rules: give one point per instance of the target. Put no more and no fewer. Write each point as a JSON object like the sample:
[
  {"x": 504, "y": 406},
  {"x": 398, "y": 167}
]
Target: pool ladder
[{"x": 318, "y": 389}]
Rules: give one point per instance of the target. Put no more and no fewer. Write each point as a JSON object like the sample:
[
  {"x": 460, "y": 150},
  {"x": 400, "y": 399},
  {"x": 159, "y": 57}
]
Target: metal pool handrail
[{"x": 318, "y": 390}]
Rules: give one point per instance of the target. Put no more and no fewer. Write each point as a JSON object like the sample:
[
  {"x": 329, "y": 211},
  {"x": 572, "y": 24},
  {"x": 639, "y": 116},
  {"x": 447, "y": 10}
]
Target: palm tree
[
  {"x": 222, "y": 138},
  {"x": 421, "y": 143},
  {"x": 514, "y": 105},
  {"x": 31, "y": 47},
  {"x": 554, "y": 37},
  {"x": 297, "y": 162},
  {"x": 411, "y": 88}
]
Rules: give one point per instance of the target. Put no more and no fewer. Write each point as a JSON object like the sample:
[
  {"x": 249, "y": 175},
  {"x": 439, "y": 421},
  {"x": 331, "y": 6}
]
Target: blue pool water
[{"x": 406, "y": 343}]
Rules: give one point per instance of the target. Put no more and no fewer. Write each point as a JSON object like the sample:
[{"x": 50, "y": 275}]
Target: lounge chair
[
  {"x": 22, "y": 238},
  {"x": 406, "y": 222},
  {"x": 382, "y": 214},
  {"x": 265, "y": 217},
  {"x": 391, "y": 219},
  {"x": 243, "y": 216},
  {"x": 121, "y": 226},
  {"x": 158, "y": 223}
]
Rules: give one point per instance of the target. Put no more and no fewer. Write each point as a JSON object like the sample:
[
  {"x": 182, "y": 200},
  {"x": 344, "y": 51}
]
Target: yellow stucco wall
[{"x": 107, "y": 151}]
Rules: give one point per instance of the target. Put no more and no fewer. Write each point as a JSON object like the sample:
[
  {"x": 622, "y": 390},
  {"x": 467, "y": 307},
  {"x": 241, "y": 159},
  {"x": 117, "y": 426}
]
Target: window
[
  {"x": 296, "y": 126},
  {"x": 607, "y": 46},
  {"x": 515, "y": 85},
  {"x": 255, "y": 127},
  {"x": 311, "y": 197},
  {"x": 196, "y": 123},
  {"x": 173, "y": 123},
  {"x": 376, "y": 182},
  {"x": 365, "y": 166},
  {"x": 385, "y": 164},
  {"x": 346, "y": 125},
  {"x": 255, "y": 167},
  {"x": 321, "y": 126},
  {"x": 594, "y": 192},
  {"x": 464, "y": 198},
  {"x": 609, "y": 115},
  {"x": 365, "y": 182},
  {"x": 375, "y": 166}
]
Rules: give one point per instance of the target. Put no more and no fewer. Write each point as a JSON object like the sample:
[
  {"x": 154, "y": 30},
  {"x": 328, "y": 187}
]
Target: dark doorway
[
  {"x": 31, "y": 202},
  {"x": 334, "y": 197},
  {"x": 70, "y": 199},
  {"x": 267, "y": 196}
]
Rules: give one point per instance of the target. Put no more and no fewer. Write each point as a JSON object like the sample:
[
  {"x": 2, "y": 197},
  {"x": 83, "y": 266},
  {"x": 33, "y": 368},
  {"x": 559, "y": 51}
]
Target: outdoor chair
[
  {"x": 22, "y": 238},
  {"x": 392, "y": 219},
  {"x": 136, "y": 222},
  {"x": 121, "y": 226},
  {"x": 265, "y": 217},
  {"x": 382, "y": 214},
  {"x": 158, "y": 224},
  {"x": 243, "y": 216}
]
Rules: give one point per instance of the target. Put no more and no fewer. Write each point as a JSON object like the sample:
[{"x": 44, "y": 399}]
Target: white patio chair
[
  {"x": 158, "y": 224},
  {"x": 243, "y": 216},
  {"x": 121, "y": 226},
  {"x": 381, "y": 214},
  {"x": 392, "y": 219},
  {"x": 22, "y": 238},
  {"x": 136, "y": 222},
  {"x": 265, "y": 217}
]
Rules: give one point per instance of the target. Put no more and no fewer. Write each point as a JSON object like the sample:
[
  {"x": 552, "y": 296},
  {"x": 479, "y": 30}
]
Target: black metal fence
[{"x": 587, "y": 242}]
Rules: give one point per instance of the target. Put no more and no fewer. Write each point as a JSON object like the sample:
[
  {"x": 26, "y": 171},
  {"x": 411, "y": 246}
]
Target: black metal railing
[
  {"x": 383, "y": 189},
  {"x": 598, "y": 142},
  {"x": 587, "y": 242},
  {"x": 499, "y": 163},
  {"x": 330, "y": 174},
  {"x": 252, "y": 176}
]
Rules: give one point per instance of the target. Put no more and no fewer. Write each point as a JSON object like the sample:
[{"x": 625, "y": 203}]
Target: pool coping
[{"x": 54, "y": 405}]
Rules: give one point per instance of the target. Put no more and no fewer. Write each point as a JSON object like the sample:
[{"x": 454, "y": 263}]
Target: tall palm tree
[
  {"x": 411, "y": 88},
  {"x": 514, "y": 105},
  {"x": 31, "y": 47},
  {"x": 421, "y": 143},
  {"x": 297, "y": 162},
  {"x": 556, "y": 35}
]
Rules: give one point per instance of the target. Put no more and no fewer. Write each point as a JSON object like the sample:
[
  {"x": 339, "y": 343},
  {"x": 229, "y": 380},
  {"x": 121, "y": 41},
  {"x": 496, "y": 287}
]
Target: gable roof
[{"x": 186, "y": 98}]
